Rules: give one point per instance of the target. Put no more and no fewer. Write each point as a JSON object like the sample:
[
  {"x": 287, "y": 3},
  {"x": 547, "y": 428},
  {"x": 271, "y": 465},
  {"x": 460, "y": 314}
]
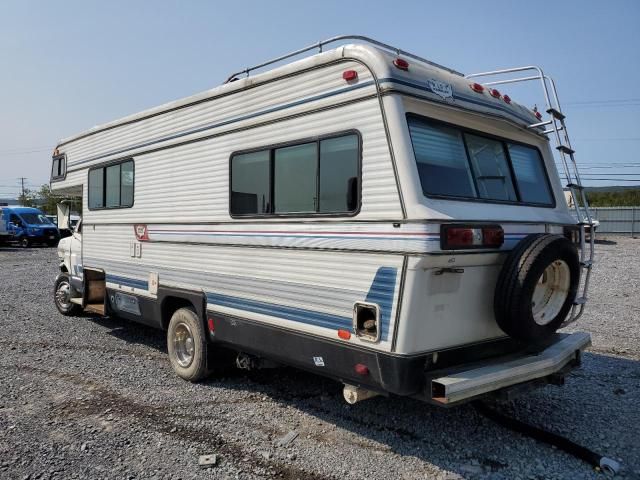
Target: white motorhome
[{"x": 362, "y": 213}]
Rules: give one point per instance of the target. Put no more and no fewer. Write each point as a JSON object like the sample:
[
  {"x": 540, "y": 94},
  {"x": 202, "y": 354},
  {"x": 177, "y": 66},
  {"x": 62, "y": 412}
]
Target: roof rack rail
[{"x": 319, "y": 45}]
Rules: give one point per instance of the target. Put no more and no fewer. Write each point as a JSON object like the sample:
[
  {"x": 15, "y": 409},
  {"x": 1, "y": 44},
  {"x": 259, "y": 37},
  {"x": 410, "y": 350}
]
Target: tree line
[
  {"x": 615, "y": 198},
  {"x": 47, "y": 201}
]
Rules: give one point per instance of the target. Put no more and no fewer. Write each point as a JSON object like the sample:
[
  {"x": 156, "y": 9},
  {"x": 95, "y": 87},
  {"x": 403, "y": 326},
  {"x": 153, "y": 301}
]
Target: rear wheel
[
  {"x": 187, "y": 345},
  {"x": 62, "y": 296},
  {"x": 25, "y": 242}
]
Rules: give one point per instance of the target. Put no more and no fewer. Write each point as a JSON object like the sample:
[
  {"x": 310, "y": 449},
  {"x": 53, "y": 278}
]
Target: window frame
[
  {"x": 61, "y": 157},
  {"x": 272, "y": 148},
  {"x": 104, "y": 166},
  {"x": 504, "y": 141}
]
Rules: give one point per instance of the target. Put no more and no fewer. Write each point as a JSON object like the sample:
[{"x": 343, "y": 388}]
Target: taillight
[{"x": 460, "y": 237}]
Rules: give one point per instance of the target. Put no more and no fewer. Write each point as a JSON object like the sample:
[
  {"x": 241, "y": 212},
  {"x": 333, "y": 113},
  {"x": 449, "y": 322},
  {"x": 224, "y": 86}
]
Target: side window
[
  {"x": 250, "y": 183},
  {"x": 111, "y": 186},
  {"x": 339, "y": 159},
  {"x": 58, "y": 167},
  {"x": 295, "y": 176},
  {"x": 313, "y": 177},
  {"x": 15, "y": 219}
]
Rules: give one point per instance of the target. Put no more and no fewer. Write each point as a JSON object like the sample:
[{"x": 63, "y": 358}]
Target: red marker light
[
  {"x": 211, "y": 324},
  {"x": 494, "y": 93},
  {"x": 401, "y": 64},
  {"x": 344, "y": 334},
  {"x": 476, "y": 87},
  {"x": 506, "y": 98},
  {"x": 538, "y": 115},
  {"x": 361, "y": 369},
  {"x": 350, "y": 75}
]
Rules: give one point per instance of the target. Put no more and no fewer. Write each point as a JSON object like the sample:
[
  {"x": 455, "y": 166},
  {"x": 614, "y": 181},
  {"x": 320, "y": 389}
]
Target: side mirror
[{"x": 64, "y": 212}]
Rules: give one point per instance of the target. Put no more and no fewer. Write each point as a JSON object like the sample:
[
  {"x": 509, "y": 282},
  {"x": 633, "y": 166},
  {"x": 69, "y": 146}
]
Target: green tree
[{"x": 27, "y": 198}]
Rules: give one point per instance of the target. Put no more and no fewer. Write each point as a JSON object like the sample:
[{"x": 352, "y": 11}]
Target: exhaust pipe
[{"x": 354, "y": 394}]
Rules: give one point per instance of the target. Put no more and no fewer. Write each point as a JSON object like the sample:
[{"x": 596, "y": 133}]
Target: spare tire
[{"x": 537, "y": 287}]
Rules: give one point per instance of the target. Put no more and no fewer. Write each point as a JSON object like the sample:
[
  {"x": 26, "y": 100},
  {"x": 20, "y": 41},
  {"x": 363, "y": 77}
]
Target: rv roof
[{"x": 435, "y": 83}]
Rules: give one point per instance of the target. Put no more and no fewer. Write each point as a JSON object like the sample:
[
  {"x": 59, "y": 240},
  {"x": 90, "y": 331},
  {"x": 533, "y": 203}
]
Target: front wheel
[
  {"x": 62, "y": 296},
  {"x": 187, "y": 345},
  {"x": 25, "y": 242}
]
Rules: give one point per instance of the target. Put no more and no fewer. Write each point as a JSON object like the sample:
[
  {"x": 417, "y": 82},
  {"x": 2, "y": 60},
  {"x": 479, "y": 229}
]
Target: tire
[
  {"x": 187, "y": 345},
  {"x": 62, "y": 295},
  {"x": 25, "y": 242},
  {"x": 537, "y": 287}
]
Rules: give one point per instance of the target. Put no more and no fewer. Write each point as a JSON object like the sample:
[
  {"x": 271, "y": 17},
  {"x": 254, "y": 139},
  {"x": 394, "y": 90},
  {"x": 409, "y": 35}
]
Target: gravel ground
[{"x": 90, "y": 397}]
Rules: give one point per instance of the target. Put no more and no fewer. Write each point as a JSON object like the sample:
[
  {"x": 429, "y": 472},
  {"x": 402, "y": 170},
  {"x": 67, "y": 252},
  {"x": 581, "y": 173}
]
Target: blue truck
[{"x": 28, "y": 226}]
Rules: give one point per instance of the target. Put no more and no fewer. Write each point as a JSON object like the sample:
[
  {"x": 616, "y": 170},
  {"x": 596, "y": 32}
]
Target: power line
[{"x": 43, "y": 148}]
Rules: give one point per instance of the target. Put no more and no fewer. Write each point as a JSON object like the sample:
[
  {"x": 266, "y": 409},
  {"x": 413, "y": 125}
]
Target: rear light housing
[{"x": 467, "y": 237}]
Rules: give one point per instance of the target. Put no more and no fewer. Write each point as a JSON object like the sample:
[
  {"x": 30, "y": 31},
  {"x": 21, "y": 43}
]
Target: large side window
[
  {"x": 111, "y": 186},
  {"x": 453, "y": 162},
  {"x": 312, "y": 177}
]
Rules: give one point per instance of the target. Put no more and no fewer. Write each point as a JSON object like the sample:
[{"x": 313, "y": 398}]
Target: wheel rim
[
  {"x": 183, "y": 344},
  {"x": 551, "y": 292},
  {"x": 63, "y": 295},
  {"x": 25, "y": 242}
]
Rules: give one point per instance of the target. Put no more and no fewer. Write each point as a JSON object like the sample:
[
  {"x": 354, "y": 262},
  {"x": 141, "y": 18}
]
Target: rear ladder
[{"x": 558, "y": 129}]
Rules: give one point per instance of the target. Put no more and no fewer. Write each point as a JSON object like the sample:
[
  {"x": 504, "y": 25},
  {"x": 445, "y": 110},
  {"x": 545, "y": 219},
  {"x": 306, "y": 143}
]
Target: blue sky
[{"x": 67, "y": 66}]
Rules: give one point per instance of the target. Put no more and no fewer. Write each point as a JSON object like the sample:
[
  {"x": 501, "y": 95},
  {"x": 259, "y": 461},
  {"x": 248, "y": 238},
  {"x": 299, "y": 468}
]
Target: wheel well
[{"x": 170, "y": 305}]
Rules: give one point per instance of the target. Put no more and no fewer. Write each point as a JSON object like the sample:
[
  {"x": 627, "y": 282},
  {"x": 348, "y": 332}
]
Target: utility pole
[{"x": 22, "y": 197}]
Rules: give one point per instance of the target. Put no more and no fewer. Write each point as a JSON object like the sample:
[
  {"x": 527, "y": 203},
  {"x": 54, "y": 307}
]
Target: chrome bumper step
[{"x": 495, "y": 374}]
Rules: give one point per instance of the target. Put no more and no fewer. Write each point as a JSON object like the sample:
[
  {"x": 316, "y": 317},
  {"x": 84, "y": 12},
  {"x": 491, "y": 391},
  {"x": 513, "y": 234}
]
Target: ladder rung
[
  {"x": 556, "y": 113},
  {"x": 575, "y": 185},
  {"x": 565, "y": 149},
  {"x": 580, "y": 301}
]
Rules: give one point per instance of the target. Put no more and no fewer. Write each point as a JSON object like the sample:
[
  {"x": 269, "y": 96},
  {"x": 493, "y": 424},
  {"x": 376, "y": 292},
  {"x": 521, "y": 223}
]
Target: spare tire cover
[{"x": 537, "y": 287}]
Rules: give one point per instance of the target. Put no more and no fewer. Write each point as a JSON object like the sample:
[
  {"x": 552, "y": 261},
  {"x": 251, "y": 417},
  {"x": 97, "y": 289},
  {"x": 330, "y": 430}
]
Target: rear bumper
[{"x": 463, "y": 384}]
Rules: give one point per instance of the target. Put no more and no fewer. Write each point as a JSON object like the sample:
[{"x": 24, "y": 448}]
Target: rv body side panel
[{"x": 308, "y": 290}]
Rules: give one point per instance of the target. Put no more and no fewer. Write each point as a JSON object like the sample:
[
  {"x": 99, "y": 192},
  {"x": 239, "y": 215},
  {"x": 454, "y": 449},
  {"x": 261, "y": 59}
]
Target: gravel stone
[{"x": 106, "y": 383}]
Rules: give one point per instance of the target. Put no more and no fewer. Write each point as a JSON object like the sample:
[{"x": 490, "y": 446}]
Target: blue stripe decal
[
  {"x": 381, "y": 291},
  {"x": 226, "y": 122},
  {"x": 128, "y": 282},
  {"x": 458, "y": 96}
]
